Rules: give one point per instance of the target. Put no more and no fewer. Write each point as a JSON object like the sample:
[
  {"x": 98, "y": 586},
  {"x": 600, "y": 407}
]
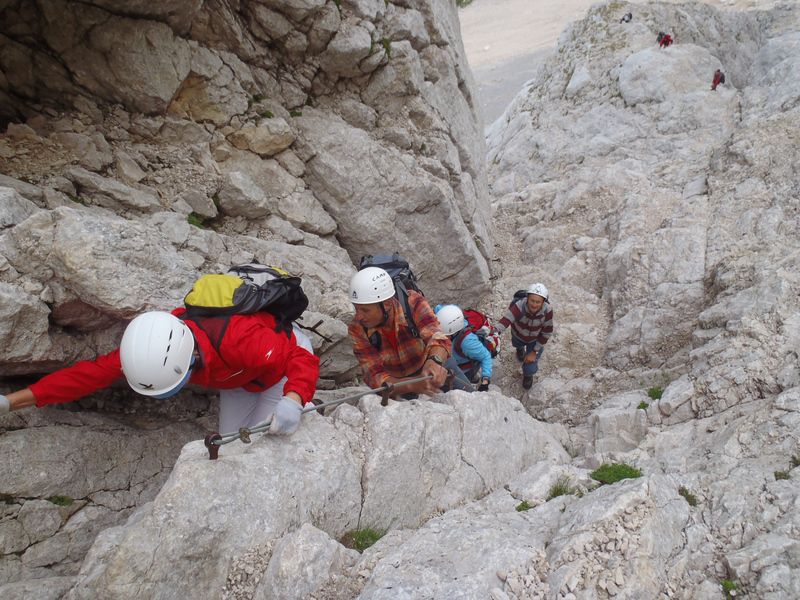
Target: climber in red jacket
[
  {"x": 719, "y": 78},
  {"x": 260, "y": 371}
]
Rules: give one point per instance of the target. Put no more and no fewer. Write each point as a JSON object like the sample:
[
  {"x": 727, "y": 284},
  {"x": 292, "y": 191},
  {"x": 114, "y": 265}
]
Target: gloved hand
[
  {"x": 484, "y": 386},
  {"x": 286, "y": 417},
  {"x": 5, "y": 405}
]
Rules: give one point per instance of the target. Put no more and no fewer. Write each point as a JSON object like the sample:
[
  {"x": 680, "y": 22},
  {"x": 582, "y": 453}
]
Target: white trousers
[{"x": 240, "y": 408}]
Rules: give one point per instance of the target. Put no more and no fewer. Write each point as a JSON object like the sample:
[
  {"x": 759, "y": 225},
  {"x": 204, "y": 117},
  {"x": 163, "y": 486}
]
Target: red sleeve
[
  {"x": 77, "y": 381},
  {"x": 302, "y": 372}
]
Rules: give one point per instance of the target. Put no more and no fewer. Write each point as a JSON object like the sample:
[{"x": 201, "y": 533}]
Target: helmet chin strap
[{"x": 385, "y": 314}]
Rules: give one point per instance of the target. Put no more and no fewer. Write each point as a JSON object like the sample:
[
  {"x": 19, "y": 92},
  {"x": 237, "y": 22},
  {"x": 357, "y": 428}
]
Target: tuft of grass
[
  {"x": 643, "y": 405},
  {"x": 463, "y": 3},
  {"x": 197, "y": 220},
  {"x": 613, "y": 472},
  {"x": 77, "y": 199},
  {"x": 387, "y": 46},
  {"x": 523, "y": 506},
  {"x": 296, "y": 113},
  {"x": 781, "y": 475},
  {"x": 60, "y": 500},
  {"x": 690, "y": 498},
  {"x": 267, "y": 114},
  {"x": 729, "y": 588},
  {"x": 655, "y": 392},
  {"x": 361, "y": 539},
  {"x": 561, "y": 487}
]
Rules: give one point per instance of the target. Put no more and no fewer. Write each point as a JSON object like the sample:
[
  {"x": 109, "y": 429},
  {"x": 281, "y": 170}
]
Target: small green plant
[
  {"x": 463, "y": 3},
  {"x": 643, "y": 405},
  {"x": 561, "y": 487},
  {"x": 296, "y": 113},
  {"x": 60, "y": 500},
  {"x": 795, "y": 461},
  {"x": 361, "y": 539},
  {"x": 781, "y": 475},
  {"x": 690, "y": 498},
  {"x": 267, "y": 114},
  {"x": 338, "y": 4},
  {"x": 523, "y": 506},
  {"x": 77, "y": 199},
  {"x": 613, "y": 472},
  {"x": 729, "y": 588},
  {"x": 387, "y": 46},
  {"x": 197, "y": 220},
  {"x": 655, "y": 392}
]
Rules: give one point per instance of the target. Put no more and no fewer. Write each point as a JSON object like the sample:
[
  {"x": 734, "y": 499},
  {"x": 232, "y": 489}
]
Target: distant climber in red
[
  {"x": 719, "y": 78},
  {"x": 664, "y": 39}
]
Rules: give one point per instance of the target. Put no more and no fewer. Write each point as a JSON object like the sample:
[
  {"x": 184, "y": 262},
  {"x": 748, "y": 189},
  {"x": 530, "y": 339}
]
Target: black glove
[{"x": 484, "y": 386}]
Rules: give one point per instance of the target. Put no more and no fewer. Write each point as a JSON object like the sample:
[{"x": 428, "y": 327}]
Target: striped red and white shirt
[{"x": 526, "y": 327}]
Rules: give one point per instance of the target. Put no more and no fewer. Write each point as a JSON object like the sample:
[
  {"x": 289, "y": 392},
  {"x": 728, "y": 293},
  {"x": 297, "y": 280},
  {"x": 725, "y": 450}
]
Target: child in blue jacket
[{"x": 468, "y": 351}]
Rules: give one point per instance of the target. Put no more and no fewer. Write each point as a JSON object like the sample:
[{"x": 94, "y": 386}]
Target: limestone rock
[
  {"x": 241, "y": 196},
  {"x": 93, "y": 152},
  {"x": 143, "y": 62},
  {"x": 26, "y": 190},
  {"x": 14, "y": 208},
  {"x": 350, "y": 44},
  {"x": 301, "y": 563},
  {"x": 268, "y": 138},
  {"x": 654, "y": 74},
  {"x": 85, "y": 255},
  {"x": 427, "y": 207},
  {"x": 112, "y": 194}
]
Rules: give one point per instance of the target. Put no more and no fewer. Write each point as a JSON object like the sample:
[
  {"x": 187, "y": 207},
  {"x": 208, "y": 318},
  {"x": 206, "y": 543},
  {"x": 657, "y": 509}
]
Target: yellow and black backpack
[{"x": 244, "y": 290}]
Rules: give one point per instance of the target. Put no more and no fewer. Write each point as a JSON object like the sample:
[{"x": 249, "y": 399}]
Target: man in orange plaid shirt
[{"x": 384, "y": 342}]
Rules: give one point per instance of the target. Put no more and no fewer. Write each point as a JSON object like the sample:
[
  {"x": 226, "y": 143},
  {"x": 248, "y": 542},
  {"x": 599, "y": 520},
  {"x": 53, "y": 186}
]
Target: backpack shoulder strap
[
  {"x": 402, "y": 296},
  {"x": 458, "y": 341}
]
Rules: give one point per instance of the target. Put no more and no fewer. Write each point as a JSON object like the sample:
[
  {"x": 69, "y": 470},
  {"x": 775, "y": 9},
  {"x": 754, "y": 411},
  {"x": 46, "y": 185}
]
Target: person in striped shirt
[{"x": 531, "y": 321}]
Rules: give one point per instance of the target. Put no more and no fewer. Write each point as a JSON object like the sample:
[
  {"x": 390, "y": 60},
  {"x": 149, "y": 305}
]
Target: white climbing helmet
[
  {"x": 371, "y": 285},
  {"x": 539, "y": 289},
  {"x": 451, "y": 319},
  {"x": 156, "y": 354}
]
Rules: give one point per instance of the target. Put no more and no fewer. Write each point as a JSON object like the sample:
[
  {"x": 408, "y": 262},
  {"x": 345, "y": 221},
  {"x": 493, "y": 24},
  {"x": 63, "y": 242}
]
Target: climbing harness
[{"x": 214, "y": 440}]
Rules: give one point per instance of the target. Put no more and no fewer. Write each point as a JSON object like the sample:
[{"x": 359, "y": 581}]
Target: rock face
[
  {"x": 143, "y": 146},
  {"x": 386, "y": 81},
  {"x": 331, "y": 464},
  {"x": 661, "y": 215},
  {"x": 645, "y": 203},
  {"x": 93, "y": 472}
]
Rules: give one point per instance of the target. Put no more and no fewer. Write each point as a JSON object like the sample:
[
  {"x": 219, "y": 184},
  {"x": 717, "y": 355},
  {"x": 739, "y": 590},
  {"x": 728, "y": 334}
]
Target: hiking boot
[
  {"x": 520, "y": 354},
  {"x": 527, "y": 382}
]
